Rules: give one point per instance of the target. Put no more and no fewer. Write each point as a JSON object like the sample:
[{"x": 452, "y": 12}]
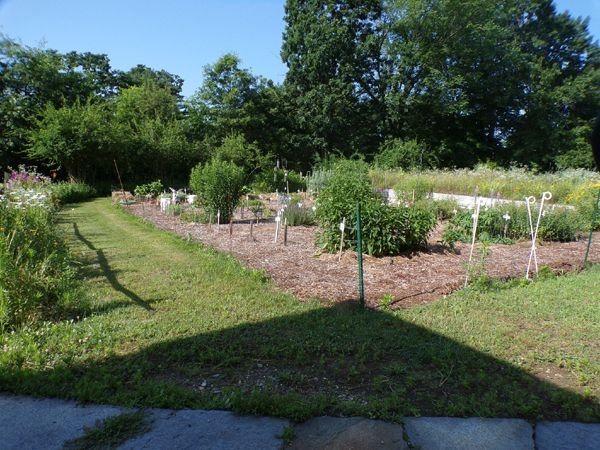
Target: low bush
[
  {"x": 444, "y": 209},
  {"x": 152, "y": 189},
  {"x": 297, "y": 214},
  {"x": 385, "y": 230},
  {"x": 406, "y": 154},
  {"x": 71, "y": 192},
  {"x": 218, "y": 185},
  {"x": 195, "y": 216},
  {"x": 317, "y": 180}
]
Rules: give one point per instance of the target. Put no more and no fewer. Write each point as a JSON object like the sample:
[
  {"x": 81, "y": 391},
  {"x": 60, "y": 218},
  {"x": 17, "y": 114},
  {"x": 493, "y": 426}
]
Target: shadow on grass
[
  {"x": 336, "y": 359},
  {"x": 329, "y": 360},
  {"x": 110, "y": 274}
]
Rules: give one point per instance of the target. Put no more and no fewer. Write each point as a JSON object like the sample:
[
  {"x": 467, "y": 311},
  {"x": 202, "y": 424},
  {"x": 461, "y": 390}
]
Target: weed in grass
[
  {"x": 386, "y": 300},
  {"x": 288, "y": 435},
  {"x": 113, "y": 432}
]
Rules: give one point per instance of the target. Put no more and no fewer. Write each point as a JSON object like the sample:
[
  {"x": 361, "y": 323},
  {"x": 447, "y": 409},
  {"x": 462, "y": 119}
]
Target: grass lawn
[{"x": 173, "y": 324}]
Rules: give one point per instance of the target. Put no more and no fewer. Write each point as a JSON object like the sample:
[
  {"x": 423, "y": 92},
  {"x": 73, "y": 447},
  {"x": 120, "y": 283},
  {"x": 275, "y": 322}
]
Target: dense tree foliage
[
  {"x": 31, "y": 79},
  {"x": 335, "y": 81},
  {"x": 406, "y": 83},
  {"x": 233, "y": 101},
  {"x": 474, "y": 80}
]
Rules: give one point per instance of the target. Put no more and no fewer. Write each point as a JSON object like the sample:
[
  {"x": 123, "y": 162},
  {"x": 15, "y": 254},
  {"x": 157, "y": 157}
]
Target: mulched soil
[{"x": 411, "y": 279}]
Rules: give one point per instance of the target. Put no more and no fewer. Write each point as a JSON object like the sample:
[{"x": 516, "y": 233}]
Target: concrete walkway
[{"x": 28, "y": 423}]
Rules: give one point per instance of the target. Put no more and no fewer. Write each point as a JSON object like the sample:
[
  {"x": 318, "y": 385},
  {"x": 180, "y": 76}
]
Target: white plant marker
[
  {"x": 506, "y": 218},
  {"x": 475, "y": 217},
  {"x": 277, "y": 222},
  {"x": 342, "y": 228},
  {"x": 218, "y": 219},
  {"x": 534, "y": 232}
]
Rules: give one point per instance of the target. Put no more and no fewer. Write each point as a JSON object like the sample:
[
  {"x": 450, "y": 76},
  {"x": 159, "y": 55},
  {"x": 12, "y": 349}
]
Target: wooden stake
[{"x": 120, "y": 182}]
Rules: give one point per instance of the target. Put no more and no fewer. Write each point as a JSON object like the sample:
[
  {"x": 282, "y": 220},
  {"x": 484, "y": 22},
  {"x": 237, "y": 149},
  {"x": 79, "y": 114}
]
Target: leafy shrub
[
  {"x": 175, "y": 209},
  {"x": 218, "y": 185},
  {"x": 257, "y": 208},
  {"x": 152, "y": 189},
  {"x": 385, "y": 230},
  {"x": 71, "y": 192},
  {"x": 413, "y": 189}
]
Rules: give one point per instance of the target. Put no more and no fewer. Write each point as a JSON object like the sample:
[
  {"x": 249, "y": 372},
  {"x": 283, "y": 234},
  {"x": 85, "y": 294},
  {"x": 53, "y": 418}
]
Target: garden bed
[{"x": 400, "y": 281}]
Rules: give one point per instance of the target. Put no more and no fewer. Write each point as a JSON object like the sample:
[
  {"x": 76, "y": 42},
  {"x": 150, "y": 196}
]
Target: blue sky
[{"x": 180, "y": 36}]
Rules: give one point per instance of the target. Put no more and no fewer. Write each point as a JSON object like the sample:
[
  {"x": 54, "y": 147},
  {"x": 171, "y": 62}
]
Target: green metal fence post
[
  {"x": 594, "y": 217},
  {"x": 361, "y": 287}
]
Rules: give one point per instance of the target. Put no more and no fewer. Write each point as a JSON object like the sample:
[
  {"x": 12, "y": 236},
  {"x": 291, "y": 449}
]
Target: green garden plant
[
  {"x": 297, "y": 214},
  {"x": 508, "y": 223},
  {"x": 218, "y": 185},
  {"x": 71, "y": 192},
  {"x": 37, "y": 279},
  {"x": 152, "y": 189},
  {"x": 385, "y": 230}
]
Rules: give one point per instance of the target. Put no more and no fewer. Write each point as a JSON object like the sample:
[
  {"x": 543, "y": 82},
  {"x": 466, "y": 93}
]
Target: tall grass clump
[
  {"x": 514, "y": 183},
  {"x": 385, "y": 230},
  {"x": 37, "y": 280},
  {"x": 584, "y": 200}
]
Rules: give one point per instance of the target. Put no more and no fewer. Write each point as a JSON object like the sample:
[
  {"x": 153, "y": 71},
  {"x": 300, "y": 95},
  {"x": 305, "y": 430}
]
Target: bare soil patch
[{"x": 411, "y": 278}]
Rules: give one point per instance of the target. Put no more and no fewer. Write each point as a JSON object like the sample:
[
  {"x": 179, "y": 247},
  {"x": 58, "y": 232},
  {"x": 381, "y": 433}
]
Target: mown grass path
[{"x": 173, "y": 324}]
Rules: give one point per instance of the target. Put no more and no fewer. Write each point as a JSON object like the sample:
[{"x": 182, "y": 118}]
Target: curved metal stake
[
  {"x": 532, "y": 253},
  {"x": 475, "y": 222},
  {"x": 534, "y": 232}
]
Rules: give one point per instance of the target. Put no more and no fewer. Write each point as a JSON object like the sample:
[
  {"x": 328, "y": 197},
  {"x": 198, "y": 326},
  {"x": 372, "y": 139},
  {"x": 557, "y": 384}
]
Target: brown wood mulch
[{"x": 411, "y": 279}]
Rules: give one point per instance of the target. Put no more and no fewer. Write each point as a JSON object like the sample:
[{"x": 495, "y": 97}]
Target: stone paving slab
[
  {"x": 567, "y": 436},
  {"x": 354, "y": 433},
  {"x": 445, "y": 433},
  {"x": 44, "y": 424},
  {"x": 215, "y": 430}
]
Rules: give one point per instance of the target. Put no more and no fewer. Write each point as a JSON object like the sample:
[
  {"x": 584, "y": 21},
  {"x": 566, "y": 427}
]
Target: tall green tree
[
  {"x": 77, "y": 139},
  {"x": 337, "y": 74},
  {"x": 151, "y": 136},
  {"x": 227, "y": 101},
  {"x": 501, "y": 81},
  {"x": 234, "y": 102},
  {"x": 141, "y": 74}
]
